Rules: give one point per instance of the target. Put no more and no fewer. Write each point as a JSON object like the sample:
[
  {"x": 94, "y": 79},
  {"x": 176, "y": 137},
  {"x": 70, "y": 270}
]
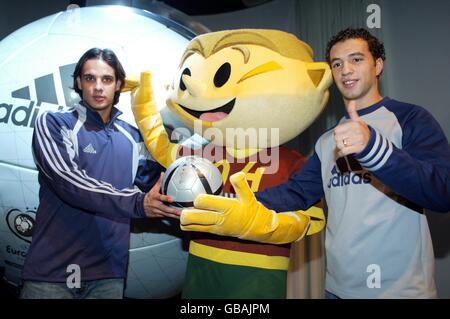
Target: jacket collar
[
  {"x": 93, "y": 117},
  {"x": 372, "y": 107}
]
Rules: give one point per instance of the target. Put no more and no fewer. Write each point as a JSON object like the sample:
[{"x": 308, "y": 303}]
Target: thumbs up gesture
[{"x": 352, "y": 136}]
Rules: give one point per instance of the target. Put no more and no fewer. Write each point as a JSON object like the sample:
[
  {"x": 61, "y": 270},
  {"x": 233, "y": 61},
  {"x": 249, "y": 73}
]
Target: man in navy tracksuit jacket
[{"x": 93, "y": 169}]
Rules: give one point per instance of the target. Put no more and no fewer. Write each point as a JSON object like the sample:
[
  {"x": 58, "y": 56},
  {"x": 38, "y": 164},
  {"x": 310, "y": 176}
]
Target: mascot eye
[
  {"x": 187, "y": 72},
  {"x": 222, "y": 75}
]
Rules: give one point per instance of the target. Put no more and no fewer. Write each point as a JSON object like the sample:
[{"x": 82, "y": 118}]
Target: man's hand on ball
[{"x": 154, "y": 203}]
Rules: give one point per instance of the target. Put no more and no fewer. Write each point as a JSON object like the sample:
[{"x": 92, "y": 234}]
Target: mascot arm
[
  {"x": 244, "y": 217},
  {"x": 149, "y": 120}
]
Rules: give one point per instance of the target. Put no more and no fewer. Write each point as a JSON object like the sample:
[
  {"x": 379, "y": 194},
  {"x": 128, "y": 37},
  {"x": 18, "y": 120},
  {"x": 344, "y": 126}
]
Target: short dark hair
[
  {"x": 110, "y": 58},
  {"x": 376, "y": 47}
]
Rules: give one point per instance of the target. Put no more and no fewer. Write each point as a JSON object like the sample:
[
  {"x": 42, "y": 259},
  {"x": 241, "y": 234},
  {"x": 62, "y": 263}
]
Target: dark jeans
[
  {"x": 95, "y": 289},
  {"x": 329, "y": 295}
]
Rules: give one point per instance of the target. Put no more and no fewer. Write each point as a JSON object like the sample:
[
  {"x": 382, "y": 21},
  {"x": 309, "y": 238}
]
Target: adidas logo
[
  {"x": 339, "y": 179},
  {"x": 44, "y": 90},
  {"x": 90, "y": 149}
]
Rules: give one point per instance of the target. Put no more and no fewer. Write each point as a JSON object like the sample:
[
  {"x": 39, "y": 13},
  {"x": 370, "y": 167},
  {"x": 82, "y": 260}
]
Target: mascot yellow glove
[
  {"x": 149, "y": 120},
  {"x": 317, "y": 218},
  {"x": 243, "y": 217}
]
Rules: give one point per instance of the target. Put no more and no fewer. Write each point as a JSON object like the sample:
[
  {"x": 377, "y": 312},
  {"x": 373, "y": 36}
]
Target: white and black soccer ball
[{"x": 188, "y": 177}]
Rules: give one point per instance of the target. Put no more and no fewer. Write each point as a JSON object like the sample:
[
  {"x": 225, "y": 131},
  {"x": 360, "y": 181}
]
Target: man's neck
[
  {"x": 367, "y": 100},
  {"x": 362, "y": 104},
  {"x": 105, "y": 114}
]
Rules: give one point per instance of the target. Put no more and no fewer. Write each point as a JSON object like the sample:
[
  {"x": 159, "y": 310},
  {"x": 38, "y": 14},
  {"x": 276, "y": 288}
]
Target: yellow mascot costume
[{"x": 247, "y": 92}]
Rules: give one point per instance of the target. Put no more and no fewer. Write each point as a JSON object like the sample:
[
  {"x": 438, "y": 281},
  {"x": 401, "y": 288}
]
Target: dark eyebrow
[
  {"x": 106, "y": 76},
  {"x": 356, "y": 54},
  {"x": 350, "y": 55},
  {"x": 335, "y": 59}
]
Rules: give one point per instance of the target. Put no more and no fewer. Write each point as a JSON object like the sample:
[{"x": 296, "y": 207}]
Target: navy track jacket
[{"x": 88, "y": 173}]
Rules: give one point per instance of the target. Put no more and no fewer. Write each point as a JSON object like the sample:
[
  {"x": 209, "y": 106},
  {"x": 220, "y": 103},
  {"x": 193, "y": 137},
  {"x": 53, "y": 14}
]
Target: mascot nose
[{"x": 195, "y": 88}]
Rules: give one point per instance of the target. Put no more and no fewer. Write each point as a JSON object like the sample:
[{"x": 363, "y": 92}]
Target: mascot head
[{"x": 242, "y": 83}]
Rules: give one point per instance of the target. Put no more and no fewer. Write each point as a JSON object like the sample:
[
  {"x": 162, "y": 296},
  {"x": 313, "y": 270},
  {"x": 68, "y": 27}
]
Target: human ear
[
  {"x": 118, "y": 84},
  {"x": 379, "y": 66}
]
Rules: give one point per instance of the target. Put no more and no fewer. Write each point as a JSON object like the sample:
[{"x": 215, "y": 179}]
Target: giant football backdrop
[{"x": 36, "y": 63}]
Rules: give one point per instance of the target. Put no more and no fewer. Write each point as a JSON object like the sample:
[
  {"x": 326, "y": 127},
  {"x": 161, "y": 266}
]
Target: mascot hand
[
  {"x": 243, "y": 217},
  {"x": 149, "y": 120},
  {"x": 142, "y": 102}
]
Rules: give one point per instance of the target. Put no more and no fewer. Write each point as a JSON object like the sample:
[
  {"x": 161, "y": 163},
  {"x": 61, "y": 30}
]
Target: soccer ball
[
  {"x": 188, "y": 177},
  {"x": 36, "y": 63}
]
